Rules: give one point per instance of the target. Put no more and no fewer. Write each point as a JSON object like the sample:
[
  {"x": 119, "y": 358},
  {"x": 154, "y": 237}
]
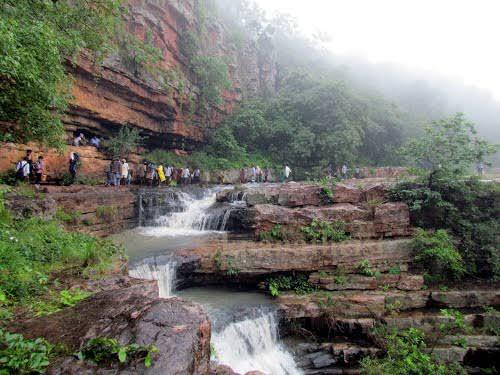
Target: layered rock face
[
  {"x": 95, "y": 210},
  {"x": 364, "y": 209},
  {"x": 116, "y": 94},
  {"x": 179, "y": 329}
]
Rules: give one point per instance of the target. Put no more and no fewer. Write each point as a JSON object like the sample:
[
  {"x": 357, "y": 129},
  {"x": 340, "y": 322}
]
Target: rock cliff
[{"x": 115, "y": 94}]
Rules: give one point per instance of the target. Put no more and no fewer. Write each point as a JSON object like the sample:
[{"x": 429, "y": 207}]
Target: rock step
[
  {"x": 403, "y": 281},
  {"x": 372, "y": 304},
  {"x": 257, "y": 259}
]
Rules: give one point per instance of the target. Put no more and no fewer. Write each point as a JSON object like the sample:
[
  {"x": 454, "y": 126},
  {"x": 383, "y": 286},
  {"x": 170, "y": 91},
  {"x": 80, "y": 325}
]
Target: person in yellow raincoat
[{"x": 161, "y": 174}]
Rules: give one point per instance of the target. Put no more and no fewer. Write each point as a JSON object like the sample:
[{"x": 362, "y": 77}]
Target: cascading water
[
  {"x": 163, "y": 273},
  {"x": 252, "y": 344},
  {"x": 189, "y": 212}
]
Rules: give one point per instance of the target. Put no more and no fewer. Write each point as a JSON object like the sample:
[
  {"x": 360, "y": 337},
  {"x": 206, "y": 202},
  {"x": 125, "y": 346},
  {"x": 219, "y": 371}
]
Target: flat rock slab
[
  {"x": 178, "y": 328},
  {"x": 258, "y": 258}
]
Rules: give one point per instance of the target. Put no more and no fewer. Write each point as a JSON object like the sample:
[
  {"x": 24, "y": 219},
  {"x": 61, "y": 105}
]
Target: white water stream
[
  {"x": 244, "y": 345},
  {"x": 163, "y": 273},
  {"x": 253, "y": 344}
]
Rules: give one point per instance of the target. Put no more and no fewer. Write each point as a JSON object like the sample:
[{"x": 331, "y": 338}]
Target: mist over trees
[{"x": 327, "y": 109}]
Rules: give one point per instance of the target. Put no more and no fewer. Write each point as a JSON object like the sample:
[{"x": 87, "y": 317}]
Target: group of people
[
  {"x": 148, "y": 173},
  {"x": 256, "y": 174},
  {"x": 30, "y": 170},
  {"x": 80, "y": 140},
  {"x": 343, "y": 172}
]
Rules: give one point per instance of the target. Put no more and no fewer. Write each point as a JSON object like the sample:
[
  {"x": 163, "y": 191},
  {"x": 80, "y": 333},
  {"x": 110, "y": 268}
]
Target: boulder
[{"x": 179, "y": 329}]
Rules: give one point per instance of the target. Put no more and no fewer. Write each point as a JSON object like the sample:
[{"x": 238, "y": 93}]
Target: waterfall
[
  {"x": 253, "y": 344},
  {"x": 163, "y": 273},
  {"x": 189, "y": 212}
]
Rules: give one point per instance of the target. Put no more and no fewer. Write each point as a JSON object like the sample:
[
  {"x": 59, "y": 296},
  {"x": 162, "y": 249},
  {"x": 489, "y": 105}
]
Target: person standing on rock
[
  {"x": 74, "y": 158},
  {"x": 186, "y": 174},
  {"x": 39, "y": 168},
  {"x": 168, "y": 175},
  {"x": 125, "y": 172},
  {"x": 196, "y": 176},
  {"x": 266, "y": 175},
  {"x": 344, "y": 171},
  {"x": 23, "y": 170},
  {"x": 287, "y": 172},
  {"x": 116, "y": 171},
  {"x": 161, "y": 175},
  {"x": 109, "y": 174},
  {"x": 242, "y": 176}
]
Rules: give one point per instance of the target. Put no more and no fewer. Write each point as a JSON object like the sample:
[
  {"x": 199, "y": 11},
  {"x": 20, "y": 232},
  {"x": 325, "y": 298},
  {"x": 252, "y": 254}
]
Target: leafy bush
[
  {"x": 275, "y": 234},
  {"x": 124, "y": 142},
  {"x": 70, "y": 298},
  {"x": 365, "y": 268},
  {"x": 21, "y": 356},
  {"x": 467, "y": 209},
  {"x": 101, "y": 350},
  {"x": 436, "y": 253},
  {"x": 325, "y": 231},
  {"x": 299, "y": 284},
  {"x": 30, "y": 249},
  {"x": 405, "y": 355}
]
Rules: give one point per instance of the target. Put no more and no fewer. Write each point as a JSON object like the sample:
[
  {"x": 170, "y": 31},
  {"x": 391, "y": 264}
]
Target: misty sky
[{"x": 457, "y": 38}]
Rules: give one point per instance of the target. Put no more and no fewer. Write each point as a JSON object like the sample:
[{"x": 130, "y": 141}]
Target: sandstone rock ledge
[{"x": 179, "y": 329}]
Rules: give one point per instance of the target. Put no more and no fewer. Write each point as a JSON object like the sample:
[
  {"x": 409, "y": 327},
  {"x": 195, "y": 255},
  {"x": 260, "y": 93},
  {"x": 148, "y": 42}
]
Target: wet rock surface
[{"x": 179, "y": 329}]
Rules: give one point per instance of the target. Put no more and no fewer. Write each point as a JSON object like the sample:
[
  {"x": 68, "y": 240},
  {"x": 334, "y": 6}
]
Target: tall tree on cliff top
[
  {"x": 37, "y": 37},
  {"x": 449, "y": 147}
]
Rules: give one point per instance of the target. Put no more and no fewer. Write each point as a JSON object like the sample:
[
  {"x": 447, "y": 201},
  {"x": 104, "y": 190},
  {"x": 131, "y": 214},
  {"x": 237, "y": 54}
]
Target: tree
[
  {"x": 126, "y": 141},
  {"x": 448, "y": 147},
  {"x": 37, "y": 37}
]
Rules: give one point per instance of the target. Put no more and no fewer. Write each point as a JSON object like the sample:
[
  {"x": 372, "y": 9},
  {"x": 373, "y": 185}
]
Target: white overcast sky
[{"x": 456, "y": 38}]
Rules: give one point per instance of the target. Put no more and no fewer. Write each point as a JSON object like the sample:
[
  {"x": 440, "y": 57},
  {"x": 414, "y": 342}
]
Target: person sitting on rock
[
  {"x": 80, "y": 140},
  {"x": 95, "y": 141}
]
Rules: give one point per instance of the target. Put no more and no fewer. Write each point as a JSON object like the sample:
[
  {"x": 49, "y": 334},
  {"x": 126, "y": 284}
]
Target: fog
[{"x": 432, "y": 56}]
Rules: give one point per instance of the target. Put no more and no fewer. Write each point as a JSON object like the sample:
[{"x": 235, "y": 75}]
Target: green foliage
[
  {"x": 107, "y": 213},
  {"x": 491, "y": 318},
  {"x": 30, "y": 249},
  {"x": 64, "y": 217},
  {"x": 324, "y": 231},
  {"x": 210, "y": 159},
  {"x": 212, "y": 77},
  {"x": 21, "y": 356},
  {"x": 139, "y": 56},
  {"x": 124, "y": 142},
  {"x": 467, "y": 209},
  {"x": 365, "y": 268},
  {"x": 8, "y": 177},
  {"x": 436, "y": 253},
  {"x": 299, "y": 284},
  {"x": 406, "y": 355},
  {"x": 102, "y": 350},
  {"x": 396, "y": 270},
  {"x": 275, "y": 234},
  {"x": 315, "y": 121},
  {"x": 35, "y": 38},
  {"x": 448, "y": 147},
  {"x": 455, "y": 323},
  {"x": 70, "y": 298}
]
